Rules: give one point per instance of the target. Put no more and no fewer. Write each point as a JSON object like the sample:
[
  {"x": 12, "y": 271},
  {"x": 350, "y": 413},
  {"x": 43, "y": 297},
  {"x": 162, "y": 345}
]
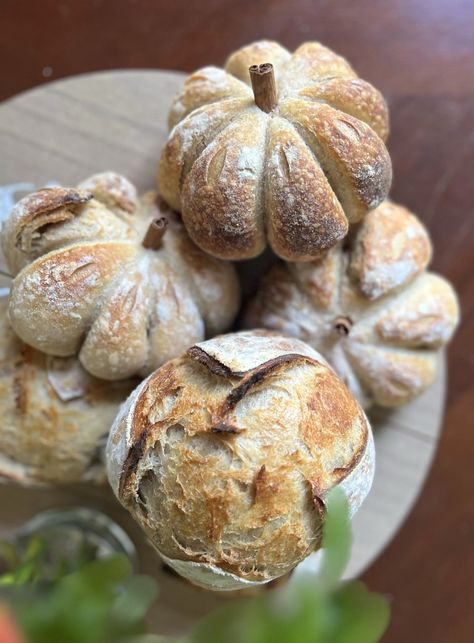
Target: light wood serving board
[{"x": 67, "y": 130}]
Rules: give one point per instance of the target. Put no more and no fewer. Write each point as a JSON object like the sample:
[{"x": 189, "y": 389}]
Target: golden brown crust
[
  {"x": 54, "y": 299},
  {"x": 262, "y": 51},
  {"x": 216, "y": 289},
  {"x": 341, "y": 124},
  {"x": 29, "y": 218},
  {"x": 391, "y": 248},
  {"x": 48, "y": 200},
  {"x": 228, "y": 468},
  {"x": 320, "y": 279},
  {"x": 312, "y": 61},
  {"x": 392, "y": 378},
  {"x": 122, "y": 318},
  {"x": 187, "y": 141},
  {"x": 90, "y": 286},
  {"x": 55, "y": 417},
  {"x": 354, "y": 157},
  {"x": 114, "y": 190},
  {"x": 429, "y": 312},
  {"x": 304, "y": 218},
  {"x": 355, "y": 97},
  {"x": 55, "y": 217},
  {"x": 396, "y": 316},
  {"x": 207, "y": 85},
  {"x": 222, "y": 209}
]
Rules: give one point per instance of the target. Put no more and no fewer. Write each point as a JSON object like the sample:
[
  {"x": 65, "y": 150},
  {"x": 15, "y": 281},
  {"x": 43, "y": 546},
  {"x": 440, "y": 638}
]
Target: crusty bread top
[
  {"x": 55, "y": 416},
  {"x": 86, "y": 284},
  {"x": 225, "y": 455},
  {"x": 370, "y": 308},
  {"x": 293, "y": 177}
]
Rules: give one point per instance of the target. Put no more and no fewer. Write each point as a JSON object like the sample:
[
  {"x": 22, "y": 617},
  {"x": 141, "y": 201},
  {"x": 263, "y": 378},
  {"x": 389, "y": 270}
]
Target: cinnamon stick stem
[
  {"x": 155, "y": 232},
  {"x": 5, "y": 274},
  {"x": 342, "y": 325},
  {"x": 264, "y": 86}
]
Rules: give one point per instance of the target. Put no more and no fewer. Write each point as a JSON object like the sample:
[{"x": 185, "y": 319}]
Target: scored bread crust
[
  {"x": 225, "y": 455},
  {"x": 55, "y": 417},
  {"x": 294, "y": 177},
  {"x": 85, "y": 284},
  {"x": 369, "y": 307}
]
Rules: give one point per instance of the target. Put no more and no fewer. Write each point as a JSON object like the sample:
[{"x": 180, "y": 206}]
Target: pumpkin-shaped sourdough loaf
[
  {"x": 225, "y": 456},
  {"x": 55, "y": 416},
  {"x": 111, "y": 277},
  {"x": 290, "y": 162},
  {"x": 369, "y": 307}
]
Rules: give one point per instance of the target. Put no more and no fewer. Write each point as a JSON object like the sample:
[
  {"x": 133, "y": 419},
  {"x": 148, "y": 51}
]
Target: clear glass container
[{"x": 72, "y": 537}]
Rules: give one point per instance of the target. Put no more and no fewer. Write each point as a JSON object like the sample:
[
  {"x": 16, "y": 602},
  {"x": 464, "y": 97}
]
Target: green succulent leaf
[
  {"x": 363, "y": 615},
  {"x": 337, "y": 539},
  {"x": 131, "y": 606}
]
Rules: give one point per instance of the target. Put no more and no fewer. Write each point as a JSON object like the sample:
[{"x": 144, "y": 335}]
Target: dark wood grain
[{"x": 421, "y": 55}]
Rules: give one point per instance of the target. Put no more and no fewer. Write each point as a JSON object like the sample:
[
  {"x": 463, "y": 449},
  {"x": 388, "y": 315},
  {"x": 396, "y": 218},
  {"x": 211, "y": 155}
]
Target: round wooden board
[{"x": 67, "y": 130}]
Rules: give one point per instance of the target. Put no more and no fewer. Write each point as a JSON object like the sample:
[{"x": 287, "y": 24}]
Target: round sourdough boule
[
  {"x": 224, "y": 457},
  {"x": 55, "y": 417},
  {"x": 88, "y": 282}
]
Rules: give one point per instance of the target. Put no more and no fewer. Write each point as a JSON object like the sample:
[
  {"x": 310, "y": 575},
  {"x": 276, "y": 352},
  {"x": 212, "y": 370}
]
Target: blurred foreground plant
[{"x": 102, "y": 602}]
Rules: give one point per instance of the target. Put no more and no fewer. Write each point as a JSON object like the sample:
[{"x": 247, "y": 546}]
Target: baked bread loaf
[
  {"x": 97, "y": 279},
  {"x": 225, "y": 455},
  {"x": 55, "y": 417},
  {"x": 369, "y": 307},
  {"x": 288, "y": 153}
]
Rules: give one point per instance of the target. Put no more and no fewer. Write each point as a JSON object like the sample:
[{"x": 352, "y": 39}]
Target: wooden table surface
[{"x": 421, "y": 56}]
